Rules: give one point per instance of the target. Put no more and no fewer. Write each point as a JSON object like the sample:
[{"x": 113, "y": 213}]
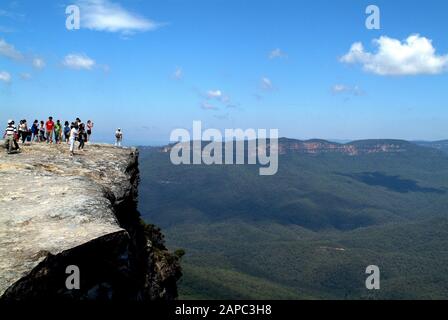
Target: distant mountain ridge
[
  {"x": 440, "y": 145},
  {"x": 316, "y": 146},
  {"x": 353, "y": 148}
]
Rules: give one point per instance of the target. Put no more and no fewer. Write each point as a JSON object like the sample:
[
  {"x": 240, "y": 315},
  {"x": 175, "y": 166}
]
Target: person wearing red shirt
[{"x": 49, "y": 126}]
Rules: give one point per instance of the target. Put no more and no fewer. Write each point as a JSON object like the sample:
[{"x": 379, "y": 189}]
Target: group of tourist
[{"x": 48, "y": 132}]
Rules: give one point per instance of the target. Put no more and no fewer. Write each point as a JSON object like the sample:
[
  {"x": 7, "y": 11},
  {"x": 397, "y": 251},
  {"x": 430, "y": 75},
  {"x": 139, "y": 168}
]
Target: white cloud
[
  {"x": 9, "y": 51},
  {"x": 78, "y": 62},
  {"x": 277, "y": 53},
  {"x": 212, "y": 98},
  {"x": 104, "y": 15},
  {"x": 217, "y": 95},
  {"x": 39, "y": 63},
  {"x": 214, "y": 94},
  {"x": 266, "y": 84},
  {"x": 5, "y": 77},
  {"x": 178, "y": 74},
  {"x": 339, "y": 88},
  {"x": 208, "y": 106},
  {"x": 345, "y": 89},
  {"x": 416, "y": 55}
]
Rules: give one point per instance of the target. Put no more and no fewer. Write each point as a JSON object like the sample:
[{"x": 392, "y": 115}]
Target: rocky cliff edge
[{"x": 58, "y": 211}]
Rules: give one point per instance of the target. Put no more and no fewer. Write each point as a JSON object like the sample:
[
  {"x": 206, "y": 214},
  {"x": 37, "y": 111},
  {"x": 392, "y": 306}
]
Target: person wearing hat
[
  {"x": 9, "y": 136},
  {"x": 118, "y": 137}
]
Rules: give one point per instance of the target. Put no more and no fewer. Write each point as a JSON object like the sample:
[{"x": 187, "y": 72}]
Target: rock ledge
[{"x": 58, "y": 210}]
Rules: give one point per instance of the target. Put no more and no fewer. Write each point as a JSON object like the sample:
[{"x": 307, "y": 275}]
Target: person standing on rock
[
  {"x": 26, "y": 132},
  {"x": 81, "y": 136},
  {"x": 66, "y": 132},
  {"x": 49, "y": 126},
  {"x": 35, "y": 131},
  {"x": 89, "y": 129},
  {"x": 23, "y": 130},
  {"x": 118, "y": 137},
  {"x": 58, "y": 132},
  {"x": 9, "y": 136},
  {"x": 42, "y": 131},
  {"x": 73, "y": 137}
]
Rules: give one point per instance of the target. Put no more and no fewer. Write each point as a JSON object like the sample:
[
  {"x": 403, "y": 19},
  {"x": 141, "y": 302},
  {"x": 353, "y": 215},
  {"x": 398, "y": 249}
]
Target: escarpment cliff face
[
  {"x": 287, "y": 146},
  {"x": 58, "y": 211},
  {"x": 355, "y": 148}
]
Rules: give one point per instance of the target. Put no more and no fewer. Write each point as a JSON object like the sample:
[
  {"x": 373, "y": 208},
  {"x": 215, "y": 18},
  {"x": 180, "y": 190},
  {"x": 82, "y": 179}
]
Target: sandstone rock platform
[{"x": 51, "y": 203}]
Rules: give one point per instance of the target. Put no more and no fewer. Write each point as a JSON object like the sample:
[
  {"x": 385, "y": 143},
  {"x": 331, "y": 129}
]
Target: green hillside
[{"x": 311, "y": 230}]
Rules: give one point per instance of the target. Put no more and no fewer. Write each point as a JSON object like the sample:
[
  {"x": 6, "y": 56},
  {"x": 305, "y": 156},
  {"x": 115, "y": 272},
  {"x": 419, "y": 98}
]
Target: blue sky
[{"x": 152, "y": 66}]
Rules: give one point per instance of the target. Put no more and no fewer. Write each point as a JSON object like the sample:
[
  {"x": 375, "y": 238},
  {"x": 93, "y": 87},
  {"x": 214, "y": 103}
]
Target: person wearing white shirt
[
  {"x": 72, "y": 139},
  {"x": 118, "y": 137}
]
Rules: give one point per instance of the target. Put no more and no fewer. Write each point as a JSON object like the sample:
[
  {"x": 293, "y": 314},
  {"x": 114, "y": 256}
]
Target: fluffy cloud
[
  {"x": 38, "y": 63},
  {"x": 5, "y": 77},
  {"x": 104, "y": 15},
  {"x": 214, "y": 94},
  {"x": 78, "y": 62},
  {"x": 277, "y": 53},
  {"x": 217, "y": 95},
  {"x": 416, "y": 55},
  {"x": 9, "y": 51},
  {"x": 212, "y": 98}
]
